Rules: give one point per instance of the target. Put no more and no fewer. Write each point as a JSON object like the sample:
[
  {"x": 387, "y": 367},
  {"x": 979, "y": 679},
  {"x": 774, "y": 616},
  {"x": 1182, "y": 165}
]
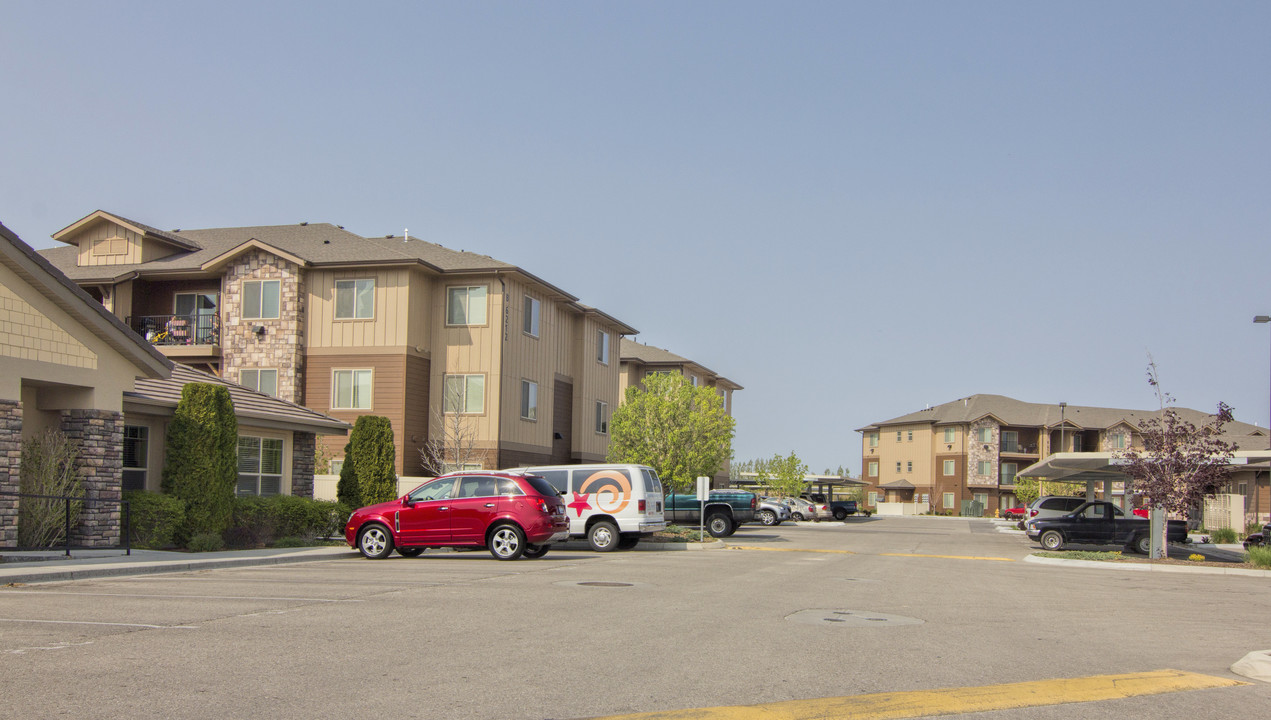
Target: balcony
[
  {"x": 183, "y": 336},
  {"x": 1018, "y": 448}
]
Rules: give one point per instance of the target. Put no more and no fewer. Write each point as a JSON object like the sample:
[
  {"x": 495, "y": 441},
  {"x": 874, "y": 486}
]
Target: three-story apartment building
[
  {"x": 350, "y": 325},
  {"x": 971, "y": 449}
]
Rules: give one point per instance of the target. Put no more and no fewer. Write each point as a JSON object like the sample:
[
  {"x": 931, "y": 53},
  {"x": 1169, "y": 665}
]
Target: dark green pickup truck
[{"x": 725, "y": 510}]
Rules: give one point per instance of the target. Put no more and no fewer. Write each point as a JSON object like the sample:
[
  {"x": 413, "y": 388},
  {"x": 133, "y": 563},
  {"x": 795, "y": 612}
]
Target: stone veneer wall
[
  {"x": 281, "y": 345},
  {"x": 303, "y": 453},
  {"x": 10, "y": 460},
  {"x": 977, "y": 454},
  {"x": 100, "y": 435}
]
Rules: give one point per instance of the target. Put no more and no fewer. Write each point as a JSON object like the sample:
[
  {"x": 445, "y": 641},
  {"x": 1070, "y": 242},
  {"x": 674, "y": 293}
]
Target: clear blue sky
[{"x": 852, "y": 209}]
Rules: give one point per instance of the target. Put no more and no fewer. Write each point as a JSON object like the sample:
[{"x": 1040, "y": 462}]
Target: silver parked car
[
  {"x": 801, "y": 509},
  {"x": 1050, "y": 506},
  {"x": 772, "y": 511}
]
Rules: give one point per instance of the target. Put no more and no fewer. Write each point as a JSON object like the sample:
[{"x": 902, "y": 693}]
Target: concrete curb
[
  {"x": 1145, "y": 567},
  {"x": 63, "y": 570},
  {"x": 582, "y": 546}
]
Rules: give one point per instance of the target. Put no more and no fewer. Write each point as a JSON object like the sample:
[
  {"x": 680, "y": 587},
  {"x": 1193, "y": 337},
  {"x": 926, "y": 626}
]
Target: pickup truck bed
[
  {"x": 1100, "y": 523},
  {"x": 725, "y": 510}
]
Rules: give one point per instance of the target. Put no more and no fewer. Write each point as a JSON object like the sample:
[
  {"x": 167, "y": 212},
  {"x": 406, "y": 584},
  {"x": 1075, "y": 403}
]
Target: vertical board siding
[
  {"x": 101, "y": 231},
  {"x": 470, "y": 349},
  {"x": 392, "y": 310},
  {"x": 415, "y": 413}
]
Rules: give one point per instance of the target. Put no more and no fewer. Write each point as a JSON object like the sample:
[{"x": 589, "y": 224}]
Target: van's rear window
[{"x": 651, "y": 482}]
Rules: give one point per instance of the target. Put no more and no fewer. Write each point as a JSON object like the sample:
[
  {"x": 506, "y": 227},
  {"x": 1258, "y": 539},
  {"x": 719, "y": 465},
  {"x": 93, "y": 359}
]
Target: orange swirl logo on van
[{"x": 612, "y": 490}]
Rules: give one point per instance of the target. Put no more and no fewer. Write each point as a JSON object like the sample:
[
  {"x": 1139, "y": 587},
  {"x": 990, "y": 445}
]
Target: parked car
[
  {"x": 802, "y": 509},
  {"x": 1050, "y": 506},
  {"x": 1015, "y": 513},
  {"x": 839, "y": 509},
  {"x": 511, "y": 515},
  {"x": 612, "y": 505},
  {"x": 771, "y": 511},
  {"x": 724, "y": 511},
  {"x": 1100, "y": 523},
  {"x": 1258, "y": 539}
]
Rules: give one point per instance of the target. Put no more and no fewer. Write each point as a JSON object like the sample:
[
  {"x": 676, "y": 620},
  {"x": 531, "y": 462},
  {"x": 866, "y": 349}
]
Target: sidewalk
[{"x": 51, "y": 566}]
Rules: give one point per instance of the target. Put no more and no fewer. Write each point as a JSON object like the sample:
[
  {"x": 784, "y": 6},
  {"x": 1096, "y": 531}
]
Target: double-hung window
[
  {"x": 466, "y": 305},
  {"x": 465, "y": 394},
  {"x": 948, "y": 501},
  {"x": 529, "y": 323},
  {"x": 873, "y": 468},
  {"x": 261, "y": 380},
  {"x": 948, "y": 435},
  {"x": 873, "y": 439},
  {"x": 259, "y": 466},
  {"x": 529, "y": 400},
  {"x": 351, "y": 389},
  {"x": 260, "y": 299},
  {"x": 949, "y": 466},
  {"x": 602, "y": 347},
  {"x": 602, "y": 417},
  {"x": 136, "y": 447},
  {"x": 355, "y": 299}
]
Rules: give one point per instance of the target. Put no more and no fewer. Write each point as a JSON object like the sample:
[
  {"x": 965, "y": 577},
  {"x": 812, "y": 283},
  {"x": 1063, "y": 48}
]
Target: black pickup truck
[
  {"x": 1100, "y": 523},
  {"x": 725, "y": 510},
  {"x": 840, "y": 508}
]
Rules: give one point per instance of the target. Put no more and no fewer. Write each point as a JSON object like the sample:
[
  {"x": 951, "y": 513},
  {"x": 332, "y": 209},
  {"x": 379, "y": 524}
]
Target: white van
[{"x": 612, "y": 506}]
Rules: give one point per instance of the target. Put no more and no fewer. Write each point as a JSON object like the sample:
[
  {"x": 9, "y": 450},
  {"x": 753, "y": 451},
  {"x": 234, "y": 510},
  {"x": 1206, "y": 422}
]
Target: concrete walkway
[{"x": 51, "y": 566}]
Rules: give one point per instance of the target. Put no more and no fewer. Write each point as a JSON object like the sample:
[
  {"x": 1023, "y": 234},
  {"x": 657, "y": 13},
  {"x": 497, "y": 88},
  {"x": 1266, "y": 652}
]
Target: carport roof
[{"x": 1087, "y": 467}]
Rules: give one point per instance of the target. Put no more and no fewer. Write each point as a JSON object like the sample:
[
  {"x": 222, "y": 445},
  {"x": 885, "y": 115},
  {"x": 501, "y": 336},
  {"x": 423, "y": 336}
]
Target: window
[
  {"x": 911, "y": 436},
  {"x": 873, "y": 498},
  {"x": 602, "y": 417},
  {"x": 466, "y": 305},
  {"x": 1076, "y": 443},
  {"x": 873, "y": 469},
  {"x": 602, "y": 347},
  {"x": 873, "y": 439},
  {"x": 529, "y": 324},
  {"x": 948, "y": 501},
  {"x": 1117, "y": 441},
  {"x": 692, "y": 379},
  {"x": 529, "y": 400},
  {"x": 1008, "y": 473},
  {"x": 262, "y": 381},
  {"x": 198, "y": 311},
  {"x": 136, "y": 447},
  {"x": 948, "y": 435},
  {"x": 983, "y": 434},
  {"x": 949, "y": 467},
  {"x": 260, "y": 299},
  {"x": 259, "y": 466},
  {"x": 909, "y": 466},
  {"x": 898, "y": 434},
  {"x": 355, "y": 299},
  {"x": 465, "y": 394},
  {"x": 983, "y": 468},
  {"x": 336, "y": 466},
  {"x": 982, "y": 499},
  {"x": 111, "y": 246},
  {"x": 1010, "y": 441},
  {"x": 351, "y": 389},
  {"x": 897, "y": 466}
]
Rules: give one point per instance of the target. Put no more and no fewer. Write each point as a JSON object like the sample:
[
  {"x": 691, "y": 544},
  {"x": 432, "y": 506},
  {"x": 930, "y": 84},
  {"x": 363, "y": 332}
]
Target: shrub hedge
[
  {"x": 155, "y": 521},
  {"x": 153, "y": 518}
]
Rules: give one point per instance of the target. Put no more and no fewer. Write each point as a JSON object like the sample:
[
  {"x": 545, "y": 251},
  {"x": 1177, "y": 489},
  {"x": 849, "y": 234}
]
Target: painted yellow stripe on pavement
[
  {"x": 948, "y": 557},
  {"x": 955, "y": 701},
  {"x": 771, "y": 549}
]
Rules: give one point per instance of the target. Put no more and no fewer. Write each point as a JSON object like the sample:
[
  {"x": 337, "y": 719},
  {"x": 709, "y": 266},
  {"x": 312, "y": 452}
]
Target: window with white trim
[
  {"x": 873, "y": 469},
  {"x": 1009, "y": 471},
  {"x": 466, "y": 305},
  {"x": 983, "y": 434},
  {"x": 259, "y": 466},
  {"x": 260, "y": 299},
  {"x": 529, "y": 323},
  {"x": 262, "y": 380},
  {"x": 602, "y": 417},
  {"x": 873, "y": 439},
  {"x": 351, "y": 389},
  {"x": 1010, "y": 441},
  {"x": 355, "y": 299},
  {"x": 948, "y": 435},
  {"x": 464, "y": 394},
  {"x": 948, "y": 501},
  {"x": 897, "y": 466},
  {"x": 909, "y": 466},
  {"x": 984, "y": 468},
  {"x": 529, "y": 400},
  {"x": 911, "y": 436},
  {"x": 873, "y": 497},
  {"x": 602, "y": 347},
  {"x": 949, "y": 466},
  {"x": 1116, "y": 441}
]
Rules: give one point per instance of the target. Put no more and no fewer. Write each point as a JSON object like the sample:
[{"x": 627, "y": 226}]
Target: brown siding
[
  {"x": 416, "y": 412},
  {"x": 388, "y": 397},
  {"x": 562, "y": 422},
  {"x": 156, "y": 298}
]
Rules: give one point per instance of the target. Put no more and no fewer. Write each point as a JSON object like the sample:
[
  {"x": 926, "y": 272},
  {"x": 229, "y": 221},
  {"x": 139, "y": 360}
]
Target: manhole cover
[
  {"x": 851, "y": 618},
  {"x": 605, "y": 584}
]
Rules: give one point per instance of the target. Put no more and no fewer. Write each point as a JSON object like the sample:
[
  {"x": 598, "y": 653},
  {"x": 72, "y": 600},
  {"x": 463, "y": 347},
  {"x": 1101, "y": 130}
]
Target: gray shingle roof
[
  {"x": 248, "y": 404},
  {"x": 649, "y": 355},
  {"x": 1016, "y": 412}
]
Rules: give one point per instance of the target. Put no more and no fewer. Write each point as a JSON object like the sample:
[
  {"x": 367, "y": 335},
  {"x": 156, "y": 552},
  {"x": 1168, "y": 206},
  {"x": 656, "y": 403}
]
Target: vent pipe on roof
[{"x": 406, "y": 237}]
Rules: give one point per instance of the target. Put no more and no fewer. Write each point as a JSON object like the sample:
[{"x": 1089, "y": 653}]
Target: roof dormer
[{"x": 106, "y": 239}]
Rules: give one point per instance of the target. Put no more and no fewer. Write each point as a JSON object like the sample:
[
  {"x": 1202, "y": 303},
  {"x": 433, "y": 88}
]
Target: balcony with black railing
[{"x": 181, "y": 335}]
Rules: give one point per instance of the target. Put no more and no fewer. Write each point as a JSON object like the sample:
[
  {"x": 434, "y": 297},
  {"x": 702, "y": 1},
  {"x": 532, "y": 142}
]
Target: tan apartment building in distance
[
  {"x": 970, "y": 450},
  {"x": 639, "y": 360},
  {"x": 349, "y": 325}
]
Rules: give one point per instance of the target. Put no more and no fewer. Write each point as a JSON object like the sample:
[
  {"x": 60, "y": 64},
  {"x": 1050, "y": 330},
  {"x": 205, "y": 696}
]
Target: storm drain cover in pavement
[{"x": 851, "y": 618}]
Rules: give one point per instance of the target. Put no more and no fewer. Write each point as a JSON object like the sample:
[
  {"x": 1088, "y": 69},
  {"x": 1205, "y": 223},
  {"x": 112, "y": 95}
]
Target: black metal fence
[{"x": 125, "y": 520}]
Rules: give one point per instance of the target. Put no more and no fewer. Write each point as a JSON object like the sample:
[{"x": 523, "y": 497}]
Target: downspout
[{"x": 498, "y": 423}]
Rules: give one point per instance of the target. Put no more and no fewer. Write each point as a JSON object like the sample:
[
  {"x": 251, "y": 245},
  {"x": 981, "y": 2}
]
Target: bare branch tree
[{"x": 454, "y": 447}]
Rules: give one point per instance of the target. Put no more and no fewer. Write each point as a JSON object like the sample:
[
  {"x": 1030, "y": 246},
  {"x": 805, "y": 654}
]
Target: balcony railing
[
  {"x": 178, "y": 329},
  {"x": 1019, "y": 448}
]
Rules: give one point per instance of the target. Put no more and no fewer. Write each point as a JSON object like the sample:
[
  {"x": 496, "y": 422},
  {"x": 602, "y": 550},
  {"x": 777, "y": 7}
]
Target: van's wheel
[
  {"x": 768, "y": 517},
  {"x": 1142, "y": 544},
  {"x": 375, "y": 542},
  {"x": 719, "y": 525},
  {"x": 603, "y": 536},
  {"x": 507, "y": 542},
  {"x": 536, "y": 551},
  {"x": 410, "y": 552},
  {"x": 1052, "y": 540}
]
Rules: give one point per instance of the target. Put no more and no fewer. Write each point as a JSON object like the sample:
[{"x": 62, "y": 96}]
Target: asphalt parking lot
[{"x": 793, "y": 613}]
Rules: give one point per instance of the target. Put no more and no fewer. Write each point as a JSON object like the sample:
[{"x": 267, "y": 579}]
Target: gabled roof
[
  {"x": 70, "y": 298},
  {"x": 248, "y": 404},
  {"x": 648, "y": 355},
  {"x": 139, "y": 228},
  {"x": 1012, "y": 412}
]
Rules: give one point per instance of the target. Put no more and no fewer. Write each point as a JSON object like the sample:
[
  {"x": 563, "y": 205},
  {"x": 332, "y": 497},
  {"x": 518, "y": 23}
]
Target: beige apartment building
[
  {"x": 970, "y": 450},
  {"x": 639, "y": 360},
  {"x": 349, "y": 325}
]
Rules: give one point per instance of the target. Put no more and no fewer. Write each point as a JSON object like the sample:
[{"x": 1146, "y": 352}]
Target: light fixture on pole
[{"x": 1262, "y": 320}]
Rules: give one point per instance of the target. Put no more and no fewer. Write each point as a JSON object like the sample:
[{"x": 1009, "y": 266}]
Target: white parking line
[
  {"x": 112, "y": 624},
  {"x": 184, "y": 597}
]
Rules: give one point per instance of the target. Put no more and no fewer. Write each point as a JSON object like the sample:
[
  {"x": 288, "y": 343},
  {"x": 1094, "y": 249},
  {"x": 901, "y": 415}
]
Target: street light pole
[{"x": 1262, "y": 320}]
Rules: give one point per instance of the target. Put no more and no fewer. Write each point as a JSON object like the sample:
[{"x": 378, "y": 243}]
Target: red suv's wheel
[
  {"x": 507, "y": 542},
  {"x": 375, "y": 542}
]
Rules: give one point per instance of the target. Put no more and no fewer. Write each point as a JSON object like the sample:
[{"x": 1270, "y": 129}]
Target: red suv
[{"x": 512, "y": 515}]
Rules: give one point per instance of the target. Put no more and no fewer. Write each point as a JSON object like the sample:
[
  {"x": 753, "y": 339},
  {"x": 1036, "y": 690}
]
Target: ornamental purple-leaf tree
[{"x": 1180, "y": 464}]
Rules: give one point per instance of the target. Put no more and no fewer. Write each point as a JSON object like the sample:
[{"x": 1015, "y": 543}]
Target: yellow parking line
[
  {"x": 769, "y": 549},
  {"x": 948, "y": 557},
  {"x": 954, "y": 701}
]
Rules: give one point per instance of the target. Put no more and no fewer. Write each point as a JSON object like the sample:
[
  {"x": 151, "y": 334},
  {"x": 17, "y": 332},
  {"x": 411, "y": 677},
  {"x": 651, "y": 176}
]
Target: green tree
[
  {"x": 202, "y": 457},
  {"x": 782, "y": 476},
  {"x": 673, "y": 427},
  {"x": 368, "y": 475}
]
